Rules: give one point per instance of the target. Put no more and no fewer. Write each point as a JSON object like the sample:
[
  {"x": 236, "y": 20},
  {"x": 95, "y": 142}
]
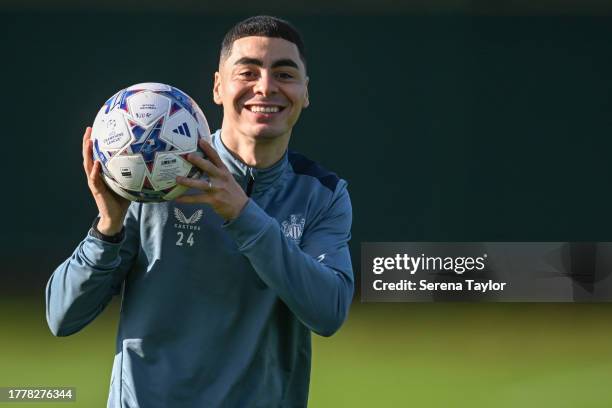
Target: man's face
[{"x": 262, "y": 86}]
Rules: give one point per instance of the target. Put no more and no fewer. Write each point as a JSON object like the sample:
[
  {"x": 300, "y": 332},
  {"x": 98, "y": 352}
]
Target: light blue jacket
[{"x": 218, "y": 314}]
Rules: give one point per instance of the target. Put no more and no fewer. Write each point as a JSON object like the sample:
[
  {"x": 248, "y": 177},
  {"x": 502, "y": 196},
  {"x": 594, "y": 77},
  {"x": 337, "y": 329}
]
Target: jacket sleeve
[
  {"x": 316, "y": 280},
  {"x": 81, "y": 287}
]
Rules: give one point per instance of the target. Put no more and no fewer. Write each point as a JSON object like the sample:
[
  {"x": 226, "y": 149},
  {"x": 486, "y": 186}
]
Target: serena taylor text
[
  {"x": 433, "y": 264},
  {"x": 424, "y": 285}
]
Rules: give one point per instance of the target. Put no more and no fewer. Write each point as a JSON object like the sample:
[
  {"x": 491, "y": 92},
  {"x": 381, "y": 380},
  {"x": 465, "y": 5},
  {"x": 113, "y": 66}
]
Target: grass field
[{"x": 386, "y": 355}]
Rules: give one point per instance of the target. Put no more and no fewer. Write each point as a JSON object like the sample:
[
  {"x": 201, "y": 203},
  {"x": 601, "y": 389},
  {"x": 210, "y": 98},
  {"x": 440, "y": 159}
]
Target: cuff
[
  {"x": 101, "y": 253},
  {"x": 113, "y": 239},
  {"x": 250, "y": 224}
]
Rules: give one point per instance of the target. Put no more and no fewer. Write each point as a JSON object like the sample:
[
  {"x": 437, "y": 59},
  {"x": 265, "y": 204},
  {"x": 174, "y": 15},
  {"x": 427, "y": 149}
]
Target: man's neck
[{"x": 259, "y": 153}]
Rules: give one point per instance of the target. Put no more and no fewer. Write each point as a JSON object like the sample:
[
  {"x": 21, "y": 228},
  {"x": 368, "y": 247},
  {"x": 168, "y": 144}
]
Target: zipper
[{"x": 250, "y": 184}]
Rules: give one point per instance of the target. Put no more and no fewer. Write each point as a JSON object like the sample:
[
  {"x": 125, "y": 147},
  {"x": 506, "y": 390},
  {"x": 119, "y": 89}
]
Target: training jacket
[{"x": 218, "y": 314}]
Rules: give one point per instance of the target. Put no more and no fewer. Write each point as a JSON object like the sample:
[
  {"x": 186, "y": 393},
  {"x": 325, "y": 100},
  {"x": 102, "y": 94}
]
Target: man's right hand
[{"x": 111, "y": 207}]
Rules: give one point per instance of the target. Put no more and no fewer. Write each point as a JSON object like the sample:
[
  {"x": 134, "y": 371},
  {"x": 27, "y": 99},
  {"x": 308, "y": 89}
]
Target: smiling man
[{"x": 221, "y": 317}]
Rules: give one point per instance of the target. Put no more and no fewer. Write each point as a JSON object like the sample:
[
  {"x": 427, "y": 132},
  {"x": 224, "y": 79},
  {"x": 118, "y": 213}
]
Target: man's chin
[{"x": 265, "y": 133}]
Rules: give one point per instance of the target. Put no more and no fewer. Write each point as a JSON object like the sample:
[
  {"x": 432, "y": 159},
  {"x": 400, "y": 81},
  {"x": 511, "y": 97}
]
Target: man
[{"x": 218, "y": 311}]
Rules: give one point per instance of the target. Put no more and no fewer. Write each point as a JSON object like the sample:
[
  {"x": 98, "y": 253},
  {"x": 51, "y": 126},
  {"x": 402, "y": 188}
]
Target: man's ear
[
  {"x": 306, "y": 98},
  {"x": 217, "y": 89}
]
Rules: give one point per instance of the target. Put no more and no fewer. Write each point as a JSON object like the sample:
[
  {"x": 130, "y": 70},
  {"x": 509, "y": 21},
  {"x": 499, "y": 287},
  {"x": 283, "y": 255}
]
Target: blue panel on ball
[
  {"x": 98, "y": 155},
  {"x": 180, "y": 98},
  {"x": 151, "y": 144}
]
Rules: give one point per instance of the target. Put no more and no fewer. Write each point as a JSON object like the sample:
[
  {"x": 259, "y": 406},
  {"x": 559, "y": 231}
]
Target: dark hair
[{"x": 262, "y": 26}]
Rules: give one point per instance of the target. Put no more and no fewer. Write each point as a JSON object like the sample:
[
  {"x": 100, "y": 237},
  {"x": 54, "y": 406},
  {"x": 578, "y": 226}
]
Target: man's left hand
[{"x": 220, "y": 191}]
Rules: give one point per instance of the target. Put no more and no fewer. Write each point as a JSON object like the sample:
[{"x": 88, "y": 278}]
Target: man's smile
[{"x": 266, "y": 109}]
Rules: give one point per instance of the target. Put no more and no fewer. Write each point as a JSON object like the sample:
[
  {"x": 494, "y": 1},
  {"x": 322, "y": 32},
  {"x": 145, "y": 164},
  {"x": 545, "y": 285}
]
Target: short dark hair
[{"x": 262, "y": 26}]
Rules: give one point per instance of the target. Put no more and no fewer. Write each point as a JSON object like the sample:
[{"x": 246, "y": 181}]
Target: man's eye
[
  {"x": 247, "y": 74},
  {"x": 284, "y": 75}
]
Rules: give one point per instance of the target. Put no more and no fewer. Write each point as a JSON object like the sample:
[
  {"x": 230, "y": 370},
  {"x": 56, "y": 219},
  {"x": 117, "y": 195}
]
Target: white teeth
[{"x": 264, "y": 109}]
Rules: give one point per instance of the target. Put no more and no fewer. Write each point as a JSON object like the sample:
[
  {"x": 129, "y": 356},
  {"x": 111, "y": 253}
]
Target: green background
[
  {"x": 386, "y": 355},
  {"x": 447, "y": 127}
]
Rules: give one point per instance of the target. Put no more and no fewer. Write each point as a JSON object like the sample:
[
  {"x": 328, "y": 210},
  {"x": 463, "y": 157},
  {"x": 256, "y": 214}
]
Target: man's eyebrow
[
  {"x": 249, "y": 61},
  {"x": 285, "y": 63}
]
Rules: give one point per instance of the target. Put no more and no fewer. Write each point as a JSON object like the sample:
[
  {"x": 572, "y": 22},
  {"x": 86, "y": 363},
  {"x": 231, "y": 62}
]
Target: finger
[
  {"x": 87, "y": 150},
  {"x": 87, "y": 158},
  {"x": 202, "y": 185},
  {"x": 212, "y": 154},
  {"x": 204, "y": 165},
  {"x": 86, "y": 136},
  {"x": 94, "y": 173},
  {"x": 95, "y": 177},
  {"x": 193, "y": 199}
]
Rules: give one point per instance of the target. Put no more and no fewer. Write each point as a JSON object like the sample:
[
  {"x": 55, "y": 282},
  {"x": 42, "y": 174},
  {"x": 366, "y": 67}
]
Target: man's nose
[{"x": 266, "y": 85}]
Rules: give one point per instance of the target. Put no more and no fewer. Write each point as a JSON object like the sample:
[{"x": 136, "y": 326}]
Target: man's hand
[
  {"x": 220, "y": 191},
  {"x": 111, "y": 207}
]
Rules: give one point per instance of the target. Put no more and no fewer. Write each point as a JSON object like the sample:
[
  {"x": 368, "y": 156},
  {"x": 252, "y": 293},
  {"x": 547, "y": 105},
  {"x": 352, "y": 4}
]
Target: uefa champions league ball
[{"x": 142, "y": 136}]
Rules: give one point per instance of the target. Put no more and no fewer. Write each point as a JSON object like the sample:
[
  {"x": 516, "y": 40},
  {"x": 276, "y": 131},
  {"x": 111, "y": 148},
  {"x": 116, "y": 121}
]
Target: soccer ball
[{"x": 142, "y": 136}]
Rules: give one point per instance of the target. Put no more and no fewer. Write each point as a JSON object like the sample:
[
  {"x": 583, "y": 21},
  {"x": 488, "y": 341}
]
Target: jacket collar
[{"x": 262, "y": 178}]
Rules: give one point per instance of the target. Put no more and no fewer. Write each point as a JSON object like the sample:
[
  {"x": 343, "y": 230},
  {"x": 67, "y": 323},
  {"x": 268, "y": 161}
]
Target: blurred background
[{"x": 451, "y": 120}]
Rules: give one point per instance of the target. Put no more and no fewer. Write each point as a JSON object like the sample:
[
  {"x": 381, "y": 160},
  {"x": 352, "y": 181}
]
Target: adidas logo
[{"x": 182, "y": 130}]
